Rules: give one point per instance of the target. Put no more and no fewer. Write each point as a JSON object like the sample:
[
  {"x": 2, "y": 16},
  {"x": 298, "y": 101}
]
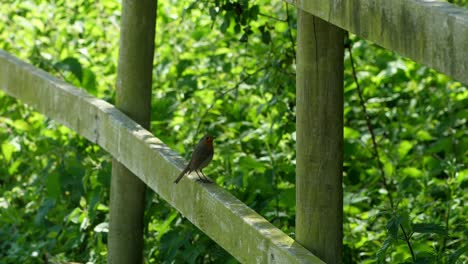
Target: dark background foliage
[{"x": 227, "y": 68}]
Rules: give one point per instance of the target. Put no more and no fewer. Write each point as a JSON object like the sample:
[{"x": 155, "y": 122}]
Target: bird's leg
[
  {"x": 200, "y": 179},
  {"x": 206, "y": 178}
]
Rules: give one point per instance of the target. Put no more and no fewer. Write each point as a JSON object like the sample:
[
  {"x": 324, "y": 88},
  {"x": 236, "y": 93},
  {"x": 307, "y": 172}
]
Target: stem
[
  {"x": 374, "y": 143},
  {"x": 407, "y": 239},
  {"x": 369, "y": 127}
]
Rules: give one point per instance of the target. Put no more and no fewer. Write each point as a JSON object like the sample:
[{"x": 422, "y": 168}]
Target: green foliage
[
  {"x": 227, "y": 68},
  {"x": 418, "y": 120}
]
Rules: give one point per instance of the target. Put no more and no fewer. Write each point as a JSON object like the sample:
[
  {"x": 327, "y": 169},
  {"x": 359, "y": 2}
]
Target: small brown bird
[{"x": 201, "y": 157}]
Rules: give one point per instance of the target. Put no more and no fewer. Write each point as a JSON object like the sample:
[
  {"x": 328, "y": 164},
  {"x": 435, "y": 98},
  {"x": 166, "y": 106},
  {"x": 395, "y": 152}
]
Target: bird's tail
[{"x": 182, "y": 174}]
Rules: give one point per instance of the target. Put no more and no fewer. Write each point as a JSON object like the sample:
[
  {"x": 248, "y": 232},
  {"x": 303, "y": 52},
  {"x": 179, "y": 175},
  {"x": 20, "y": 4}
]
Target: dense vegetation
[{"x": 228, "y": 68}]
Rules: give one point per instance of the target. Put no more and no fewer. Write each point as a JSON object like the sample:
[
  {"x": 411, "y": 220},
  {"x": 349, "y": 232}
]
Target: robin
[{"x": 201, "y": 157}]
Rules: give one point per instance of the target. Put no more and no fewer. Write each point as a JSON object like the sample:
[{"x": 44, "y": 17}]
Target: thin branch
[
  {"x": 374, "y": 142},
  {"x": 407, "y": 239},
  {"x": 369, "y": 125}
]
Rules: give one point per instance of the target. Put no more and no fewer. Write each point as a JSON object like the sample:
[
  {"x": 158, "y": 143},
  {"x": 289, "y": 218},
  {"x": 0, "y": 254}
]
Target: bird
[{"x": 201, "y": 157}]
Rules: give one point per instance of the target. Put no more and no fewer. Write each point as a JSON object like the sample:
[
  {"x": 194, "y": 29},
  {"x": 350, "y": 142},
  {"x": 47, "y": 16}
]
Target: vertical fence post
[
  {"x": 319, "y": 154},
  {"x": 133, "y": 97}
]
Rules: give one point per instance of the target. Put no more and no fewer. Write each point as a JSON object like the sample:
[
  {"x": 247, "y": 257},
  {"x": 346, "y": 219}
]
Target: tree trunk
[
  {"x": 319, "y": 84},
  {"x": 133, "y": 97}
]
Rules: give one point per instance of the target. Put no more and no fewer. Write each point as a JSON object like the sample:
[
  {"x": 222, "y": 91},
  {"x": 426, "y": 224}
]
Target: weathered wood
[
  {"x": 229, "y": 222},
  {"x": 432, "y": 33},
  {"x": 319, "y": 148},
  {"x": 133, "y": 97}
]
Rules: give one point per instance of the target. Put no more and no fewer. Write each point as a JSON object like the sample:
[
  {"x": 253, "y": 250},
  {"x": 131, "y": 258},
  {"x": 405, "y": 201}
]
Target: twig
[
  {"x": 374, "y": 143},
  {"x": 407, "y": 239},
  {"x": 369, "y": 126}
]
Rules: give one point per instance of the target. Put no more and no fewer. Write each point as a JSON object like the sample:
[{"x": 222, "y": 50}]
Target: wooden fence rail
[
  {"x": 432, "y": 33},
  {"x": 233, "y": 225}
]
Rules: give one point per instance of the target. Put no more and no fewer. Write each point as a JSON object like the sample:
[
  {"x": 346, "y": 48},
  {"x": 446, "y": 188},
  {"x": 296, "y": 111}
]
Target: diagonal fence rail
[{"x": 233, "y": 225}]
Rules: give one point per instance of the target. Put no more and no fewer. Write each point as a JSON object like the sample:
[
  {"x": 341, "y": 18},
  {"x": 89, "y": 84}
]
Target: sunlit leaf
[
  {"x": 412, "y": 172},
  {"x": 423, "y": 135},
  {"x": 404, "y": 147},
  {"x": 21, "y": 125},
  {"x": 102, "y": 227},
  {"x": 350, "y": 133},
  {"x": 7, "y": 150}
]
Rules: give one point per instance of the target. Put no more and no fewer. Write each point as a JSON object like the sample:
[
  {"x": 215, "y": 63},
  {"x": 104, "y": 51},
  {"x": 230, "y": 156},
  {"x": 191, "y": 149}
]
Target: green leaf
[
  {"x": 53, "y": 185},
  {"x": 389, "y": 168},
  {"x": 423, "y": 135},
  {"x": 393, "y": 225},
  {"x": 89, "y": 82},
  {"x": 288, "y": 196},
  {"x": 410, "y": 184},
  {"x": 13, "y": 168},
  {"x": 11, "y": 215},
  {"x": 244, "y": 38},
  {"x": 21, "y": 125},
  {"x": 404, "y": 147},
  {"x": 253, "y": 12},
  {"x": 102, "y": 207},
  {"x": 462, "y": 114},
  {"x": 441, "y": 145},
  {"x": 165, "y": 226},
  {"x": 412, "y": 172},
  {"x": 266, "y": 37},
  {"x": 72, "y": 65},
  {"x": 44, "y": 209},
  {"x": 237, "y": 28},
  {"x": 183, "y": 65},
  {"x": 439, "y": 192},
  {"x": 250, "y": 163},
  {"x": 429, "y": 228},
  {"x": 456, "y": 255},
  {"x": 425, "y": 257},
  {"x": 102, "y": 228},
  {"x": 8, "y": 149},
  {"x": 75, "y": 215},
  {"x": 226, "y": 23},
  {"x": 404, "y": 220},
  {"x": 350, "y": 133},
  {"x": 381, "y": 253}
]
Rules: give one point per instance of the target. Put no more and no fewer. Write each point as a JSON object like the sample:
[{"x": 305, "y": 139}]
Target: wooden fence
[
  {"x": 431, "y": 33},
  {"x": 232, "y": 224}
]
